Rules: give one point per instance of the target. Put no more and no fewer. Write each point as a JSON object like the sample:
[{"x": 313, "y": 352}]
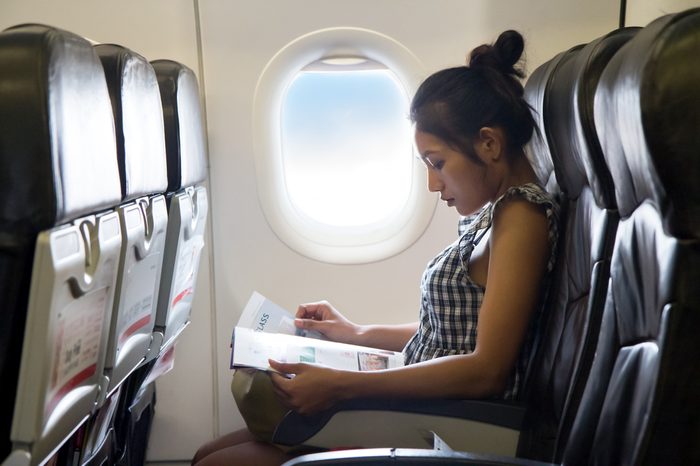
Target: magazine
[
  {"x": 266, "y": 331},
  {"x": 262, "y": 315}
]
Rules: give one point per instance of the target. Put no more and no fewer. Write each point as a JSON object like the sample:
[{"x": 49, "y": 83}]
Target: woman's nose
[{"x": 434, "y": 183}]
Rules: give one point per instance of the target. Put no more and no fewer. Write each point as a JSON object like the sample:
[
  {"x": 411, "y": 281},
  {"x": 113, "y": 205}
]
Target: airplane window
[
  {"x": 346, "y": 142},
  {"x": 337, "y": 179}
]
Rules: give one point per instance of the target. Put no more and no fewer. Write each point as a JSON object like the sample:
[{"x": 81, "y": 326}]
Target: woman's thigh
[
  {"x": 225, "y": 441},
  {"x": 244, "y": 453}
]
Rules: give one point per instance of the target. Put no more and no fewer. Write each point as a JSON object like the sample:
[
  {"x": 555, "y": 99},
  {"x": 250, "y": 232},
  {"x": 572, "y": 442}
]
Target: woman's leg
[
  {"x": 233, "y": 438},
  {"x": 239, "y": 448},
  {"x": 246, "y": 454}
]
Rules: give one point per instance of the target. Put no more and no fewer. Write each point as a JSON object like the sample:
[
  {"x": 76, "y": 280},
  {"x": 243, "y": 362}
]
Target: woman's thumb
[{"x": 283, "y": 367}]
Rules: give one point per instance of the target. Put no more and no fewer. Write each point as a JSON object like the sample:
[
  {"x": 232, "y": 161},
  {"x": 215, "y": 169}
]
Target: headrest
[
  {"x": 138, "y": 121},
  {"x": 648, "y": 100},
  {"x": 538, "y": 149},
  {"x": 184, "y": 131},
  {"x": 569, "y": 118},
  {"x": 57, "y": 149}
]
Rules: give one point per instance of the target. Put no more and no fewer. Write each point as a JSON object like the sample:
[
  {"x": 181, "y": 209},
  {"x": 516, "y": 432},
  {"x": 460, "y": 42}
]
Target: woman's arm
[
  {"x": 388, "y": 337},
  {"x": 519, "y": 251},
  {"x": 323, "y": 317}
]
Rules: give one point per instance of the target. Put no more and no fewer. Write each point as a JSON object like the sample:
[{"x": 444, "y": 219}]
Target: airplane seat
[
  {"x": 640, "y": 400},
  {"x": 59, "y": 252},
  {"x": 561, "y": 91},
  {"x": 185, "y": 195},
  {"x": 186, "y": 206},
  {"x": 138, "y": 118}
]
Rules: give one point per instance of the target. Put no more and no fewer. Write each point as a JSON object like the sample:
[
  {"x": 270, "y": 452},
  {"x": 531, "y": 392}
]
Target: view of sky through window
[{"x": 346, "y": 145}]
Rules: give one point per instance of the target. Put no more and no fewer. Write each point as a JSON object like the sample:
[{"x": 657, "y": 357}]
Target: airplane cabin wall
[
  {"x": 238, "y": 38},
  {"x": 642, "y": 12}
]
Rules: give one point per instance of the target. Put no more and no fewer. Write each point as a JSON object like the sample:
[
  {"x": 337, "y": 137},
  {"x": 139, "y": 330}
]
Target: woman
[{"x": 480, "y": 295}]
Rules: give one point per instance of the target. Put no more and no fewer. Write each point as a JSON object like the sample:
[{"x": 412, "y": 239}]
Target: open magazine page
[
  {"x": 262, "y": 315},
  {"x": 253, "y": 349}
]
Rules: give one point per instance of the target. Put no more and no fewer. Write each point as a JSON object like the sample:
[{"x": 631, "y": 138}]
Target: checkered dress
[{"x": 450, "y": 300}]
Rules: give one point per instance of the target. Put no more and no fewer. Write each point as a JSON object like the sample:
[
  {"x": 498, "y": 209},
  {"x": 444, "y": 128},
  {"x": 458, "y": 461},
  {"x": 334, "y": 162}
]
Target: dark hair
[{"x": 455, "y": 103}]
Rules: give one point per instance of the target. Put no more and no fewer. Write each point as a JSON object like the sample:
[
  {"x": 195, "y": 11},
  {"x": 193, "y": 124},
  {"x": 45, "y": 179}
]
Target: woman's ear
[{"x": 490, "y": 145}]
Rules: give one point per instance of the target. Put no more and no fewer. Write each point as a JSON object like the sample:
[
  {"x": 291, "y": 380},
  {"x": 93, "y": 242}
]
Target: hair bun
[{"x": 503, "y": 55}]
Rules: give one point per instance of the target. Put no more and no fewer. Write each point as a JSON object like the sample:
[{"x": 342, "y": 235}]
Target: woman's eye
[{"x": 438, "y": 164}]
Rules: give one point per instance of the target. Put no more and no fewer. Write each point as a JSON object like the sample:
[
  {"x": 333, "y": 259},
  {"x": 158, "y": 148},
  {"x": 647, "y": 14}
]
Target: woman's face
[{"x": 461, "y": 182}]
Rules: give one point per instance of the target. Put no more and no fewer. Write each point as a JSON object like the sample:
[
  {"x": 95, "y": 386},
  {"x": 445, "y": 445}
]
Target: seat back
[
  {"x": 641, "y": 401},
  {"x": 186, "y": 197},
  {"x": 138, "y": 117},
  {"x": 563, "y": 91},
  {"x": 58, "y": 180}
]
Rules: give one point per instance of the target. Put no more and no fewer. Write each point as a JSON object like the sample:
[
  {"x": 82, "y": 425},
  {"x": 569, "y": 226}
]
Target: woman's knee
[
  {"x": 245, "y": 454},
  {"x": 225, "y": 441}
]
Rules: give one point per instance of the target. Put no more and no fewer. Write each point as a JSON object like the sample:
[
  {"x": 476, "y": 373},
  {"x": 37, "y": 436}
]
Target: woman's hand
[
  {"x": 326, "y": 319},
  {"x": 312, "y": 389}
]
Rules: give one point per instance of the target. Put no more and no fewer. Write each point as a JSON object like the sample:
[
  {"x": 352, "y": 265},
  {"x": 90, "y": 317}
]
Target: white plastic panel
[
  {"x": 346, "y": 244},
  {"x": 185, "y": 238},
  {"x": 144, "y": 226},
  {"x": 69, "y": 311}
]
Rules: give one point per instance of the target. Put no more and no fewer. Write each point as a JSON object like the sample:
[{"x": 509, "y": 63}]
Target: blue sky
[{"x": 346, "y": 143}]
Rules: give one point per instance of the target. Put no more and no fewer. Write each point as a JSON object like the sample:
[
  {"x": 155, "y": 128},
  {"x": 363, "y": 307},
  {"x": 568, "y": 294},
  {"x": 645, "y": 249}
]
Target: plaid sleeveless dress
[{"x": 450, "y": 300}]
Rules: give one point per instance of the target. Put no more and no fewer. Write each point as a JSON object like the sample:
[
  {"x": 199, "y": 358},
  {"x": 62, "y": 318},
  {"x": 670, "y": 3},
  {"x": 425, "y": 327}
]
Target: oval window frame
[{"x": 315, "y": 240}]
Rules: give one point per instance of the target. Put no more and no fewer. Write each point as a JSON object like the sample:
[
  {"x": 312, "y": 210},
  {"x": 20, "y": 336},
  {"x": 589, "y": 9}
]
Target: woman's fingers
[{"x": 285, "y": 368}]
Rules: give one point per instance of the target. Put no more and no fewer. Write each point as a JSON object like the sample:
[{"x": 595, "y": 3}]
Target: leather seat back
[
  {"x": 138, "y": 117},
  {"x": 641, "y": 401},
  {"x": 58, "y": 182},
  {"x": 563, "y": 89},
  {"x": 186, "y": 196}
]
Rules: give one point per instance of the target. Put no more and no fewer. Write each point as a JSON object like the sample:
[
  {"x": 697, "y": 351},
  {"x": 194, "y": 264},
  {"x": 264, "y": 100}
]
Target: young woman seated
[{"x": 481, "y": 295}]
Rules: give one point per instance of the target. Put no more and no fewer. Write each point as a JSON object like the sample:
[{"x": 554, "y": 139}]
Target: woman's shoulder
[
  {"x": 527, "y": 195},
  {"x": 533, "y": 194},
  {"x": 532, "y": 201},
  {"x": 530, "y": 192}
]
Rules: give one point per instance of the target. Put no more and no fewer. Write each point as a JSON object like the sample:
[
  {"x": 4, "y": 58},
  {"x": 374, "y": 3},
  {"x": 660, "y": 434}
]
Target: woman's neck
[{"x": 519, "y": 172}]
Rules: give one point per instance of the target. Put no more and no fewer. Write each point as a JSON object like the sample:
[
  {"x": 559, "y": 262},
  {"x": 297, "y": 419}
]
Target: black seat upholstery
[
  {"x": 641, "y": 402},
  {"x": 60, "y": 240},
  {"x": 563, "y": 90},
  {"x": 641, "y": 397}
]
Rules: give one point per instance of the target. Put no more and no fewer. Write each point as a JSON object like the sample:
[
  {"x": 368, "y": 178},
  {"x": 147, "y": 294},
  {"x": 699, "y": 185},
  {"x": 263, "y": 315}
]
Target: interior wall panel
[{"x": 642, "y": 12}]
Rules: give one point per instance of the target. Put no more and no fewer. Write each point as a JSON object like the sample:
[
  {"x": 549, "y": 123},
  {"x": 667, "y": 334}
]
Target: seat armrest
[
  {"x": 406, "y": 456},
  {"x": 473, "y": 425}
]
